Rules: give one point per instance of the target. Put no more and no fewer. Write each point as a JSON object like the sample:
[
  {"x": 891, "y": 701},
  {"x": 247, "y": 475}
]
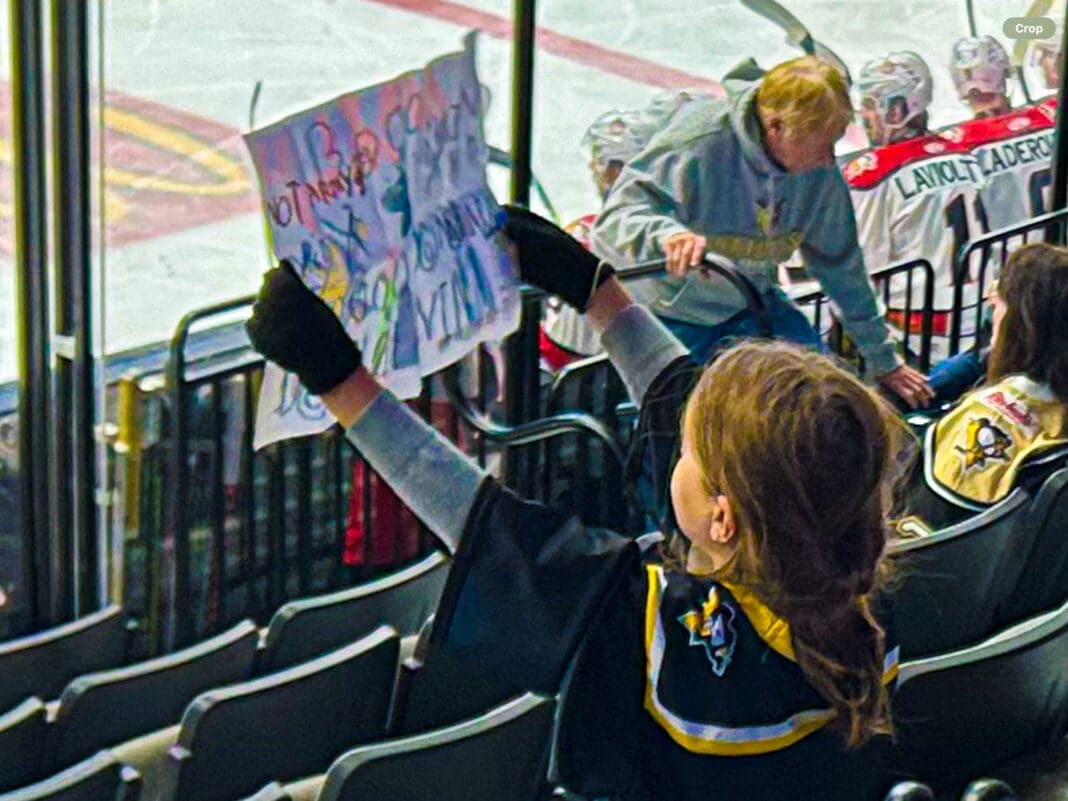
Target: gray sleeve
[
  {"x": 643, "y": 208},
  {"x": 640, "y": 347},
  {"x": 833, "y": 256},
  {"x": 436, "y": 481}
]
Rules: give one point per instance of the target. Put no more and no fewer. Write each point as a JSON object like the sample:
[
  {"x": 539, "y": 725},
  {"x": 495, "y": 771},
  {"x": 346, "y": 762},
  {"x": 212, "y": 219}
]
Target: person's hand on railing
[
  {"x": 683, "y": 252},
  {"x": 292, "y": 327},
  {"x": 910, "y": 385},
  {"x": 553, "y": 260}
]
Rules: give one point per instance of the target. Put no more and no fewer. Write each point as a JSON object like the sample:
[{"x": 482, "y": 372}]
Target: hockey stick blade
[{"x": 796, "y": 32}]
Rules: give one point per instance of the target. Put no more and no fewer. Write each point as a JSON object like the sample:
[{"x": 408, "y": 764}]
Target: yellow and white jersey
[{"x": 975, "y": 452}]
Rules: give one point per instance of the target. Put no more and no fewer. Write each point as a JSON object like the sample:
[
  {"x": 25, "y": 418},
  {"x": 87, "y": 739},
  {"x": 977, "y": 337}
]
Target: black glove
[
  {"x": 292, "y": 327},
  {"x": 552, "y": 259}
]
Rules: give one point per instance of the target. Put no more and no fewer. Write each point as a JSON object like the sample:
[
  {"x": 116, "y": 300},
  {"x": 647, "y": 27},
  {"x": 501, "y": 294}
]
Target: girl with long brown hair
[
  {"x": 977, "y": 453},
  {"x": 756, "y": 670}
]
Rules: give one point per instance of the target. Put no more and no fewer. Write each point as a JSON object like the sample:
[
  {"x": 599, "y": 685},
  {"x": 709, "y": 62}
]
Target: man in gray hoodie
[{"x": 753, "y": 179}]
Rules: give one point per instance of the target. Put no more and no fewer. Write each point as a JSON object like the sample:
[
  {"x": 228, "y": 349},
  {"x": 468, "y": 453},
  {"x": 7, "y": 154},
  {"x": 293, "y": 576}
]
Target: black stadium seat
[
  {"x": 309, "y": 627},
  {"x": 434, "y": 689},
  {"x": 959, "y": 714},
  {"x": 502, "y": 754},
  {"x": 283, "y": 726},
  {"x": 99, "y": 778},
  {"x": 952, "y": 582},
  {"x": 1043, "y": 583},
  {"x": 41, "y": 664},
  {"x": 24, "y": 734},
  {"x": 103, "y": 709}
]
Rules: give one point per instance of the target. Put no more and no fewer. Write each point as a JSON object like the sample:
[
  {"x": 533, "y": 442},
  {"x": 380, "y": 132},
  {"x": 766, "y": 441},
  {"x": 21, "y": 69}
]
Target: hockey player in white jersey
[
  {"x": 915, "y": 194},
  {"x": 1014, "y": 147},
  {"x": 1043, "y": 61}
]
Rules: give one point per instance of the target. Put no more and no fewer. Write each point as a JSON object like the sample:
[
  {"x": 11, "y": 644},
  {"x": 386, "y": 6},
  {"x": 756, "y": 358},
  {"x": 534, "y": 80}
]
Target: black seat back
[
  {"x": 501, "y": 754},
  {"x": 309, "y": 627},
  {"x": 438, "y": 688},
  {"x": 103, "y": 709},
  {"x": 441, "y": 691},
  {"x": 1043, "y": 582},
  {"x": 24, "y": 734},
  {"x": 951, "y": 583},
  {"x": 41, "y": 664},
  {"x": 99, "y": 778},
  {"x": 578, "y": 471},
  {"x": 959, "y": 714},
  {"x": 283, "y": 726}
]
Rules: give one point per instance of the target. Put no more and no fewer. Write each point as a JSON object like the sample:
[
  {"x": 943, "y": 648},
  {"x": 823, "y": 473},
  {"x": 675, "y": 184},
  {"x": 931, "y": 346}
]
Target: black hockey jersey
[{"x": 680, "y": 687}]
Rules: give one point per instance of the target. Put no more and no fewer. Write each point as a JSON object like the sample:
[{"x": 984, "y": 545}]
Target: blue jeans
[
  {"x": 786, "y": 320},
  {"x": 953, "y": 377}
]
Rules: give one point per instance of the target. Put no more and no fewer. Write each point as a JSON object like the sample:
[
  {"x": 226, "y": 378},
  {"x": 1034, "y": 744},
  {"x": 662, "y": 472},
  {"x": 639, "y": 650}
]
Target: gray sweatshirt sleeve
[
  {"x": 428, "y": 473},
  {"x": 642, "y": 210},
  {"x": 640, "y": 347},
  {"x": 437, "y": 481},
  {"x": 834, "y": 258}
]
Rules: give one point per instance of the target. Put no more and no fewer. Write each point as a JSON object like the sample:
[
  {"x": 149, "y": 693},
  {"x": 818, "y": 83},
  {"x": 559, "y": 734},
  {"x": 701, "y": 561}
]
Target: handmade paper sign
[{"x": 379, "y": 199}]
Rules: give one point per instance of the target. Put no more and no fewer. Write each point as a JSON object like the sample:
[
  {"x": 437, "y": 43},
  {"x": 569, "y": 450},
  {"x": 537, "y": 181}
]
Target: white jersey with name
[
  {"x": 1014, "y": 152},
  {"x": 916, "y": 199}
]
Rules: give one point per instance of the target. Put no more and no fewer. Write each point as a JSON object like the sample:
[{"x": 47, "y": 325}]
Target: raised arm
[
  {"x": 527, "y": 580},
  {"x": 638, "y": 344},
  {"x": 292, "y": 327},
  {"x": 437, "y": 481}
]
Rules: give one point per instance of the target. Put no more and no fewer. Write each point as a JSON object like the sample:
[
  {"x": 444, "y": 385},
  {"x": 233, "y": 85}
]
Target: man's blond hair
[{"x": 808, "y": 96}]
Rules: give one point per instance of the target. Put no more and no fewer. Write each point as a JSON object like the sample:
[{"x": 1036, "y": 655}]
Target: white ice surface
[{"x": 205, "y": 56}]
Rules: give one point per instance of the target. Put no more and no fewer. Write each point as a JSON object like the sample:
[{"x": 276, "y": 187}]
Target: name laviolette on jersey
[
  {"x": 917, "y": 166},
  {"x": 954, "y": 169}
]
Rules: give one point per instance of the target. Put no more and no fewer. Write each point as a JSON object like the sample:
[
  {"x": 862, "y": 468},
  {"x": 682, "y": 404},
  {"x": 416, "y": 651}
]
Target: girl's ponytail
[{"x": 809, "y": 458}]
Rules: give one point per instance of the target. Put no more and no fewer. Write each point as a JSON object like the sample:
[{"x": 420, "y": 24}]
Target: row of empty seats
[
  {"x": 104, "y": 707},
  {"x": 282, "y": 710}
]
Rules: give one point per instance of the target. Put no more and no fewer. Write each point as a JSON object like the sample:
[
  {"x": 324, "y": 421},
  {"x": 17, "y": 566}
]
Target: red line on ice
[{"x": 605, "y": 59}]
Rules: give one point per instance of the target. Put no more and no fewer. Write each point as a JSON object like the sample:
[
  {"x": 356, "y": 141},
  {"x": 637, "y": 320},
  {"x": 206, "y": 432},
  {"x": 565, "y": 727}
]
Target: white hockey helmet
[
  {"x": 903, "y": 76},
  {"x": 1042, "y": 65},
  {"x": 617, "y": 136},
  {"x": 979, "y": 63}
]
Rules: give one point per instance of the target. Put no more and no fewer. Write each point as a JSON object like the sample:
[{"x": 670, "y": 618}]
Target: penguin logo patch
[
  {"x": 983, "y": 441},
  {"x": 712, "y": 627}
]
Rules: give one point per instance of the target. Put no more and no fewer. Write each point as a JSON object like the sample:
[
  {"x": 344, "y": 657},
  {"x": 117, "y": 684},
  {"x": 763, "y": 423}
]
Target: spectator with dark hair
[{"x": 973, "y": 455}]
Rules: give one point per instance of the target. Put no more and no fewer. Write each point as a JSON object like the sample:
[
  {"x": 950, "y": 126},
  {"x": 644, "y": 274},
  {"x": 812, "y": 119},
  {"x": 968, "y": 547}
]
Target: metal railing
[
  {"x": 977, "y": 256},
  {"x": 891, "y": 282},
  {"x": 222, "y": 532},
  {"x": 213, "y": 531}
]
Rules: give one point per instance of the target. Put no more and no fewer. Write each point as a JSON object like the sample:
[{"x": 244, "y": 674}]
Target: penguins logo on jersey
[
  {"x": 983, "y": 441},
  {"x": 711, "y": 627}
]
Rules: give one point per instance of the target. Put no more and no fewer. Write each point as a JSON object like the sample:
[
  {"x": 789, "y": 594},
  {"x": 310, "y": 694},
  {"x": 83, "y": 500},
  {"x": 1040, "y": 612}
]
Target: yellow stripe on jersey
[{"x": 707, "y": 738}]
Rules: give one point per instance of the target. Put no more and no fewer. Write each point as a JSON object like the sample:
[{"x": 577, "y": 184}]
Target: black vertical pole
[
  {"x": 31, "y": 290},
  {"x": 75, "y": 465},
  {"x": 1059, "y": 166},
  {"x": 522, "y": 100},
  {"x": 522, "y": 377}
]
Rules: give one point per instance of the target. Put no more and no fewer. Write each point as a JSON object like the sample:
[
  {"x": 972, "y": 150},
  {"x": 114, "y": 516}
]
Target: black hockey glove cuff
[
  {"x": 553, "y": 260},
  {"x": 292, "y": 327}
]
